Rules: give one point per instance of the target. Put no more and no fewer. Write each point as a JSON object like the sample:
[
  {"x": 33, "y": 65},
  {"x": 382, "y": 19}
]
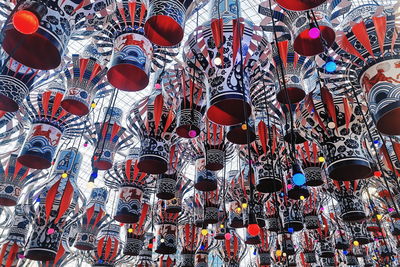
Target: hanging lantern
[
  {"x": 205, "y": 180},
  {"x": 300, "y": 5},
  {"x": 201, "y": 259},
  {"x": 93, "y": 220},
  {"x": 369, "y": 63},
  {"x": 359, "y": 232},
  {"x": 108, "y": 247},
  {"x": 287, "y": 245},
  {"x": 110, "y": 136},
  {"x": 290, "y": 132},
  {"x": 189, "y": 87},
  {"x": 62, "y": 253},
  {"x": 131, "y": 184},
  {"x": 348, "y": 195},
  {"x": 57, "y": 201},
  {"x": 232, "y": 250},
  {"x": 325, "y": 249},
  {"x": 50, "y": 122},
  {"x": 44, "y": 47},
  {"x": 292, "y": 214},
  {"x": 211, "y": 209},
  {"x": 145, "y": 256},
  {"x": 342, "y": 242},
  {"x": 174, "y": 205},
  {"x": 16, "y": 238},
  {"x": 189, "y": 236},
  {"x": 311, "y": 163},
  {"x": 166, "y": 231},
  {"x": 136, "y": 234},
  {"x": 155, "y": 129},
  {"x": 214, "y": 48},
  {"x": 16, "y": 81},
  {"x": 309, "y": 247},
  {"x": 337, "y": 126},
  {"x": 242, "y": 133},
  {"x": 310, "y": 213},
  {"x": 13, "y": 178},
  {"x": 265, "y": 150},
  {"x": 85, "y": 81}
]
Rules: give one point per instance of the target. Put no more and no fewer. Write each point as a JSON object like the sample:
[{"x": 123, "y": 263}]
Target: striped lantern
[
  {"x": 292, "y": 214},
  {"x": 59, "y": 21},
  {"x": 153, "y": 120},
  {"x": 311, "y": 163},
  {"x": 263, "y": 249},
  {"x": 309, "y": 247},
  {"x": 108, "y": 247},
  {"x": 183, "y": 186},
  {"x": 189, "y": 236},
  {"x": 13, "y": 177},
  {"x": 63, "y": 253},
  {"x": 368, "y": 48},
  {"x": 16, "y": 238},
  {"x": 136, "y": 234},
  {"x": 57, "y": 201},
  {"x": 85, "y": 80},
  {"x": 337, "y": 126},
  {"x": 145, "y": 258},
  {"x": 92, "y": 221},
  {"x": 215, "y": 48},
  {"x": 131, "y": 185},
  {"x": 326, "y": 248},
  {"x": 110, "y": 137},
  {"x": 166, "y": 231},
  {"x": 49, "y": 123},
  {"x": 232, "y": 251}
]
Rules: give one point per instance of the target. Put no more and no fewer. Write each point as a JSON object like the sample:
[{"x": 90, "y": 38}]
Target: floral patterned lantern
[{"x": 93, "y": 220}]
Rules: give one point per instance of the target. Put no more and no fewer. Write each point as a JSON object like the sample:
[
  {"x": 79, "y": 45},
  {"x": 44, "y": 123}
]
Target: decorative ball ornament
[
  {"x": 25, "y": 21},
  {"x": 253, "y": 229}
]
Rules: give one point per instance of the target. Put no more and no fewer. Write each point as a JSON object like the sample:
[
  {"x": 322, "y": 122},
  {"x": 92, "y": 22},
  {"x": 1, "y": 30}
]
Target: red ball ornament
[
  {"x": 377, "y": 173},
  {"x": 25, "y": 22},
  {"x": 253, "y": 229}
]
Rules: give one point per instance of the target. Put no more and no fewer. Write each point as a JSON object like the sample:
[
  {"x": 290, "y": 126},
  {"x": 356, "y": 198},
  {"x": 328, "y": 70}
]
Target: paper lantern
[{"x": 166, "y": 232}]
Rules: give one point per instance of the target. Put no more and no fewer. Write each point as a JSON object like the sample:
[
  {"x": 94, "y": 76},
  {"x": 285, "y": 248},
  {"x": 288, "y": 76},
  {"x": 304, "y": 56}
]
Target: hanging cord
[{"x": 292, "y": 141}]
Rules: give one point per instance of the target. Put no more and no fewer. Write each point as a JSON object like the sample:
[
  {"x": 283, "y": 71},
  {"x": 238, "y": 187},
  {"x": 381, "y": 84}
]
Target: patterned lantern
[
  {"x": 272, "y": 220},
  {"x": 136, "y": 233},
  {"x": 153, "y": 120},
  {"x": 108, "y": 247},
  {"x": 214, "y": 47},
  {"x": 50, "y": 122},
  {"x": 145, "y": 256},
  {"x": 166, "y": 20},
  {"x": 306, "y": 42},
  {"x": 206, "y": 180},
  {"x": 13, "y": 178},
  {"x": 174, "y": 205},
  {"x": 310, "y": 212},
  {"x": 166, "y": 231},
  {"x": 16, "y": 238},
  {"x": 264, "y": 254},
  {"x": 189, "y": 238},
  {"x": 348, "y": 195},
  {"x": 265, "y": 151},
  {"x": 62, "y": 253},
  {"x": 92, "y": 221},
  {"x": 57, "y": 201},
  {"x": 297, "y": 69},
  {"x": 57, "y": 23},
  {"x": 292, "y": 214},
  {"x": 131, "y": 184},
  {"x": 85, "y": 80},
  {"x": 337, "y": 126},
  {"x": 325, "y": 249},
  {"x": 232, "y": 251},
  {"x": 211, "y": 207},
  {"x": 368, "y": 50},
  {"x": 311, "y": 163},
  {"x": 189, "y": 87},
  {"x": 16, "y": 81},
  {"x": 359, "y": 232},
  {"x": 287, "y": 244},
  {"x": 308, "y": 245},
  {"x": 110, "y": 137}
]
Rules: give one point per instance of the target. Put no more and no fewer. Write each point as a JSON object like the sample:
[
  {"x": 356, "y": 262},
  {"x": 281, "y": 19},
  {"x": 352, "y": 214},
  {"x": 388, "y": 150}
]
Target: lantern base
[
  {"x": 214, "y": 166},
  {"x": 269, "y": 185},
  {"x": 84, "y": 246},
  {"x": 363, "y": 240},
  {"x": 127, "y": 218},
  {"x": 236, "y": 224},
  {"x": 237, "y": 135},
  {"x": 306, "y": 46},
  {"x": 229, "y": 111},
  {"x": 36, "y": 50},
  {"x": 102, "y": 165},
  {"x": 300, "y": 5},
  {"x": 298, "y": 192},
  {"x": 163, "y": 30},
  {"x": 40, "y": 254},
  {"x": 327, "y": 254},
  {"x": 75, "y": 107},
  {"x": 298, "y": 139},
  {"x": 120, "y": 76},
  {"x": 183, "y": 131},
  {"x": 384, "y": 121},
  {"x": 166, "y": 250},
  {"x": 314, "y": 183},
  {"x": 349, "y": 169},
  {"x": 295, "y": 95},
  {"x": 7, "y": 104},
  {"x": 34, "y": 162},
  {"x": 296, "y": 225},
  {"x": 353, "y": 216},
  {"x": 8, "y": 202},
  {"x": 206, "y": 185},
  {"x": 174, "y": 209},
  {"x": 254, "y": 240},
  {"x": 152, "y": 166}
]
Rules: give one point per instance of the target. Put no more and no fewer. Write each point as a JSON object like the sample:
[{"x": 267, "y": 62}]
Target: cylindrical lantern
[
  {"x": 50, "y": 122},
  {"x": 166, "y": 186},
  {"x": 292, "y": 215},
  {"x": 93, "y": 219},
  {"x": 108, "y": 140},
  {"x": 205, "y": 180},
  {"x": 85, "y": 77},
  {"x": 166, "y": 231},
  {"x": 57, "y": 202},
  {"x": 108, "y": 246},
  {"x": 326, "y": 249},
  {"x": 129, "y": 205}
]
